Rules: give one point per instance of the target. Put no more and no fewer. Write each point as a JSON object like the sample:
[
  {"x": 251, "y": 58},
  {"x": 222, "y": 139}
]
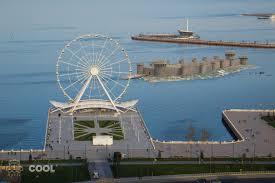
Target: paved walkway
[
  {"x": 193, "y": 162},
  {"x": 103, "y": 169},
  {"x": 257, "y": 139},
  {"x": 190, "y": 177}
]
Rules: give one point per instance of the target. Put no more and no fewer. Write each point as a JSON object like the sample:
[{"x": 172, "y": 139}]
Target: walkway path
[{"x": 189, "y": 177}]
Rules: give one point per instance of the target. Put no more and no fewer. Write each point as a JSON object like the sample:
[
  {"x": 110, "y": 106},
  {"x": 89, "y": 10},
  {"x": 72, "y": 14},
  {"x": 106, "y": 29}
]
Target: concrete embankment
[
  {"x": 231, "y": 128},
  {"x": 175, "y": 39},
  {"x": 253, "y": 138}
]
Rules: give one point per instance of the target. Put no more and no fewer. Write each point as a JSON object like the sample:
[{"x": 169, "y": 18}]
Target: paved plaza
[
  {"x": 256, "y": 139},
  {"x": 62, "y": 144}
]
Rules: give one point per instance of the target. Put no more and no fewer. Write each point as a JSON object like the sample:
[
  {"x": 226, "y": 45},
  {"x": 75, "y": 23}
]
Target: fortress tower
[
  {"x": 159, "y": 68},
  {"x": 230, "y": 55},
  {"x": 140, "y": 68},
  {"x": 243, "y": 60}
]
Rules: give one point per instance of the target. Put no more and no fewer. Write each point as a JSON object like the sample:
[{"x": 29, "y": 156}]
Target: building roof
[
  {"x": 94, "y": 104},
  {"x": 159, "y": 62}
]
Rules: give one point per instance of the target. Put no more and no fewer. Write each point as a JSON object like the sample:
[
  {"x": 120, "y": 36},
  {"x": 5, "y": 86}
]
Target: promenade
[{"x": 255, "y": 138}]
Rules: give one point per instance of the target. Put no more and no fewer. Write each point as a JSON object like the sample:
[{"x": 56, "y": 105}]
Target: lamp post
[{"x": 254, "y": 146}]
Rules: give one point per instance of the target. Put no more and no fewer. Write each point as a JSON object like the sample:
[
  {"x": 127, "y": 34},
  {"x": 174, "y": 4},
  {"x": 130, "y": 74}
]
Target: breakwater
[{"x": 170, "y": 38}]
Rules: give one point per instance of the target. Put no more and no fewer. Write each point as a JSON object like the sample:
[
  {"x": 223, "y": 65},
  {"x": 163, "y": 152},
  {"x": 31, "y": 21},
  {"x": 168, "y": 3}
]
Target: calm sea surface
[{"x": 33, "y": 33}]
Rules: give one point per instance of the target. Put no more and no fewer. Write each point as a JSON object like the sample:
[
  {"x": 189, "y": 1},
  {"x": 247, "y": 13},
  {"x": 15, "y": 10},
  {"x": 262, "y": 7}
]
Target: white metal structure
[
  {"x": 93, "y": 71},
  {"x": 103, "y": 140}
]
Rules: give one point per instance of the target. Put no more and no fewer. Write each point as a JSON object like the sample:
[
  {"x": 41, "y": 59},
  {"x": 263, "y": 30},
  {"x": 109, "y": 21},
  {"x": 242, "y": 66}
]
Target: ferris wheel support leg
[
  {"x": 80, "y": 94},
  {"x": 106, "y": 92}
]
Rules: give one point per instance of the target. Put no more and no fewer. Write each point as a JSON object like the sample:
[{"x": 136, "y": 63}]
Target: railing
[{"x": 144, "y": 125}]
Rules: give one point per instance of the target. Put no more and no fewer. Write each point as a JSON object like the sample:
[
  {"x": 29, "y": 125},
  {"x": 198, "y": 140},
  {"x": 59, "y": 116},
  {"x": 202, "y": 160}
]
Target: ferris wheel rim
[{"x": 71, "y": 98}]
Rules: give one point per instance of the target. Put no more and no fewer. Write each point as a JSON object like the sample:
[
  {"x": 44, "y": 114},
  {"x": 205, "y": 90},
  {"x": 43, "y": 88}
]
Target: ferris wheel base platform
[{"x": 93, "y": 104}]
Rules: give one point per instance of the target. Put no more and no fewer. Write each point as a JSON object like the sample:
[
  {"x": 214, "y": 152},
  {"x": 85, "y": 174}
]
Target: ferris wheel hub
[{"x": 94, "y": 71}]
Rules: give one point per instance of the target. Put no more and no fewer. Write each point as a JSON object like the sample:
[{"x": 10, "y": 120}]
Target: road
[
  {"x": 102, "y": 167},
  {"x": 192, "y": 162},
  {"x": 225, "y": 178}
]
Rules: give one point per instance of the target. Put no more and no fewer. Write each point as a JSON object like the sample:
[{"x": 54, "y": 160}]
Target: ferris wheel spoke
[
  {"x": 110, "y": 90},
  {"x": 90, "y": 88},
  {"x": 71, "y": 64},
  {"x": 106, "y": 92},
  {"x": 99, "y": 64},
  {"x": 82, "y": 70},
  {"x": 106, "y": 73},
  {"x": 117, "y": 62},
  {"x": 77, "y": 81},
  {"x": 98, "y": 88},
  {"x": 93, "y": 52},
  {"x": 82, "y": 61},
  {"x": 70, "y": 74},
  {"x": 106, "y": 69},
  {"x": 93, "y": 84},
  {"x": 109, "y": 56},
  {"x": 118, "y": 72},
  {"x": 86, "y": 54},
  {"x": 96, "y": 57},
  {"x": 102, "y": 48},
  {"x": 109, "y": 78}
]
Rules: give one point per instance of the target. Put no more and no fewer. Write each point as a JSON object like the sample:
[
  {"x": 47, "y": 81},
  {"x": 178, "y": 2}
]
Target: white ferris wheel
[{"x": 93, "y": 71}]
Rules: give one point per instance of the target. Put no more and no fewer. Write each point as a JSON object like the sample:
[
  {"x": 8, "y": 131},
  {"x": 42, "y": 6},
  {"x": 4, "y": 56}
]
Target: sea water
[{"x": 33, "y": 33}]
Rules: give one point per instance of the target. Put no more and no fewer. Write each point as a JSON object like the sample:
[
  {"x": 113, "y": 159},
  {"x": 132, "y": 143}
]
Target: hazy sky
[{"x": 111, "y": 16}]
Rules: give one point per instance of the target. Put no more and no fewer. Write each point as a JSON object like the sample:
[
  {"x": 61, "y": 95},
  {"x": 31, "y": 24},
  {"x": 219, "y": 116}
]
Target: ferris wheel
[{"x": 93, "y": 67}]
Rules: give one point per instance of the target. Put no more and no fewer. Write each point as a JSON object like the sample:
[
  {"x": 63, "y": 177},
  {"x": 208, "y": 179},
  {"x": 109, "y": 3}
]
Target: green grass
[
  {"x": 105, "y": 123},
  {"x": 270, "y": 120},
  {"x": 88, "y": 137},
  {"x": 63, "y": 174},
  {"x": 90, "y": 124},
  {"x": 173, "y": 169},
  {"x": 120, "y": 137},
  {"x": 114, "y": 126}
]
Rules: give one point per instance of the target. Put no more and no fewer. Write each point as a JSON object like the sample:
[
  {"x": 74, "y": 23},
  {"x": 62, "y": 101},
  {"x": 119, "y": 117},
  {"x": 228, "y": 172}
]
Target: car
[
  {"x": 201, "y": 181},
  {"x": 216, "y": 181}
]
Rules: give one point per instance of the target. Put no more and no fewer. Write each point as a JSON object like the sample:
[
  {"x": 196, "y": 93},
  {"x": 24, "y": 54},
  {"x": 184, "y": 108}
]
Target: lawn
[
  {"x": 79, "y": 130},
  {"x": 106, "y": 123},
  {"x": 90, "y": 124},
  {"x": 85, "y": 130},
  {"x": 63, "y": 174},
  {"x": 269, "y": 119},
  {"x": 115, "y": 127},
  {"x": 86, "y": 137},
  {"x": 173, "y": 169}
]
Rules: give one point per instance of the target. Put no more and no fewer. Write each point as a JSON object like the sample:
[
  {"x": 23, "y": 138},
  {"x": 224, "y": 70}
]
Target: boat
[{"x": 186, "y": 33}]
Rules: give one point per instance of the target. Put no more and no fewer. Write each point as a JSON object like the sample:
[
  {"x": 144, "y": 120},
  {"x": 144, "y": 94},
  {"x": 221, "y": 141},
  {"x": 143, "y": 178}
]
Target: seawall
[{"x": 171, "y": 39}]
